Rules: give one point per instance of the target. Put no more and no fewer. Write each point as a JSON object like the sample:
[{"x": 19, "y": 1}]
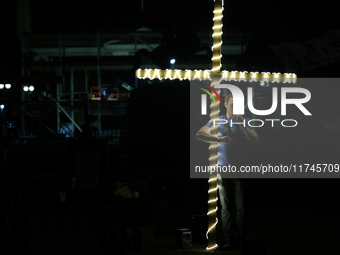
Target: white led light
[
  {"x": 147, "y": 74},
  {"x": 216, "y": 34},
  {"x": 220, "y": 56},
  {"x": 265, "y": 76},
  {"x": 156, "y": 73},
  {"x": 168, "y": 74},
  {"x": 211, "y": 190},
  {"x": 206, "y": 74},
  {"x": 215, "y": 27},
  {"x": 31, "y": 88},
  {"x": 253, "y": 77},
  {"x": 212, "y": 211},
  {"x": 177, "y": 74},
  {"x": 210, "y": 180},
  {"x": 198, "y": 75},
  {"x": 216, "y": 45},
  {"x": 294, "y": 77},
  {"x": 25, "y": 88},
  {"x": 211, "y": 229},
  {"x": 214, "y": 113},
  {"x": 216, "y": 68},
  {"x": 224, "y": 75},
  {"x": 172, "y": 61},
  {"x": 276, "y": 78},
  {"x": 287, "y": 77},
  {"x": 212, "y": 146},
  {"x": 213, "y": 247},
  {"x": 219, "y": 10},
  {"x": 2, "y": 86},
  {"x": 242, "y": 76},
  {"x": 215, "y": 157},
  {"x": 233, "y": 75},
  {"x": 8, "y": 86},
  {"x": 213, "y": 200},
  {"x": 218, "y": 17},
  {"x": 2, "y": 106},
  {"x": 187, "y": 75}
]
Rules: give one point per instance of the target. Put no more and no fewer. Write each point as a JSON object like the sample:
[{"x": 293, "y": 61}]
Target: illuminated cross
[{"x": 216, "y": 76}]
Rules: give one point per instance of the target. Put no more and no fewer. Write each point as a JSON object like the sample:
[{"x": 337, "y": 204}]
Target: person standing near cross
[
  {"x": 232, "y": 141},
  {"x": 216, "y": 76}
]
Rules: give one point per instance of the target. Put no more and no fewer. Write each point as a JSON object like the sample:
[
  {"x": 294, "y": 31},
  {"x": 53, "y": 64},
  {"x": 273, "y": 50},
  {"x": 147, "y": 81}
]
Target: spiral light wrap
[
  {"x": 215, "y": 75},
  {"x": 215, "y": 110}
]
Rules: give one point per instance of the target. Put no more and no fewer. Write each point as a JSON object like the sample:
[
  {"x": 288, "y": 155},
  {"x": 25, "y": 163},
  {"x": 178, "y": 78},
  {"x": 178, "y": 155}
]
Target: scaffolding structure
[{"x": 87, "y": 61}]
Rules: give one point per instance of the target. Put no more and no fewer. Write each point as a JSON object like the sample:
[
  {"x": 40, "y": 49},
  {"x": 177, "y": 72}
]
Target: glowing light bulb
[
  {"x": 233, "y": 75},
  {"x": 147, "y": 74},
  {"x": 198, "y": 75},
  {"x": 253, "y": 77},
  {"x": 242, "y": 76},
  {"x": 206, "y": 74},
  {"x": 168, "y": 74},
  {"x": 224, "y": 75},
  {"x": 211, "y": 228},
  {"x": 177, "y": 74},
  {"x": 211, "y": 190},
  {"x": 213, "y": 146},
  {"x": 187, "y": 75},
  {"x": 276, "y": 78},
  {"x": 212, "y": 211},
  {"x": 212, "y": 179},
  {"x": 265, "y": 78},
  {"x": 156, "y": 72}
]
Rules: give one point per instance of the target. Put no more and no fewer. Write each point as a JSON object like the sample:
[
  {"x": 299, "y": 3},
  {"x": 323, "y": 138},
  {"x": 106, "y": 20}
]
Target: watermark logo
[
  {"x": 239, "y": 100},
  {"x": 204, "y": 98},
  {"x": 303, "y": 94}
]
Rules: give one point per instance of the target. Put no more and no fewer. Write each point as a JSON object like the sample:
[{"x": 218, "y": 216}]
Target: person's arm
[
  {"x": 251, "y": 135},
  {"x": 204, "y": 135}
]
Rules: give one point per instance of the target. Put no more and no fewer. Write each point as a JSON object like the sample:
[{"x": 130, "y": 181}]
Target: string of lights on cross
[
  {"x": 207, "y": 75},
  {"x": 216, "y": 76}
]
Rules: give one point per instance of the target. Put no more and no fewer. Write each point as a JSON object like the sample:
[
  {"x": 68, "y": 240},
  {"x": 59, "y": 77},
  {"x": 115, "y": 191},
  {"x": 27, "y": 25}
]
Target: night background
[{"x": 109, "y": 172}]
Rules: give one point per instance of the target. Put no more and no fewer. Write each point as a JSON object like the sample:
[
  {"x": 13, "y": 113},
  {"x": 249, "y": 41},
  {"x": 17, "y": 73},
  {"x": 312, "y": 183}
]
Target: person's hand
[
  {"x": 239, "y": 118},
  {"x": 225, "y": 139}
]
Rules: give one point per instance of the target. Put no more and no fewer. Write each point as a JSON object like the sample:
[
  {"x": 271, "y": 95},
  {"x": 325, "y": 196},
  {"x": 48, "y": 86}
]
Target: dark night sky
[
  {"x": 266, "y": 21},
  {"x": 270, "y": 20}
]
